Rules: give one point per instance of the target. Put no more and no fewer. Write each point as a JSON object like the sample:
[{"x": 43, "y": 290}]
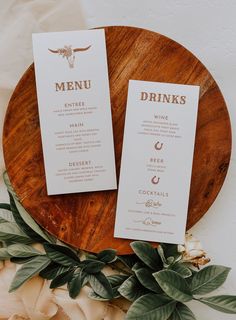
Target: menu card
[
  {"x": 75, "y": 112},
  {"x": 156, "y": 161}
]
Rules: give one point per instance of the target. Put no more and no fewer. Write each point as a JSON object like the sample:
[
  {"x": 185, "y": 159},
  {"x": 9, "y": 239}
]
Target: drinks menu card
[
  {"x": 75, "y": 112},
  {"x": 156, "y": 161}
]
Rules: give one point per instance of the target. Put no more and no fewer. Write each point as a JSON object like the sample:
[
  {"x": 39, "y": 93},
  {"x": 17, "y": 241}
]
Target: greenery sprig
[{"x": 157, "y": 281}]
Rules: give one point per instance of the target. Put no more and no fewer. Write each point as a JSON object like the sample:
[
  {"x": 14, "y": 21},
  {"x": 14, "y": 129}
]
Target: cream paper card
[
  {"x": 75, "y": 112},
  {"x": 156, "y": 161}
]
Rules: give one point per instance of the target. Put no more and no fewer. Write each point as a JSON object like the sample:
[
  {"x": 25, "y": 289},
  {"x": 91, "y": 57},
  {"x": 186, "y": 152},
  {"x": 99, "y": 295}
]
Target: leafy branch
[{"x": 158, "y": 281}]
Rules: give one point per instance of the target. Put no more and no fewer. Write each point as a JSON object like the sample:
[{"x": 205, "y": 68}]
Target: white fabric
[{"x": 35, "y": 301}]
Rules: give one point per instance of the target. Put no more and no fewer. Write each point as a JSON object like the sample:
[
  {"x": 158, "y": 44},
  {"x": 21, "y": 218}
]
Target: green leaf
[
  {"x": 128, "y": 260},
  {"x": 92, "y": 266},
  {"x": 5, "y": 206},
  {"x": 173, "y": 285},
  {"x": 4, "y": 255},
  {"x": 6, "y": 216},
  {"x": 138, "y": 265},
  {"x": 131, "y": 289},
  {"x": 11, "y": 232},
  {"x": 22, "y": 251},
  {"x": 147, "y": 254},
  {"x": 52, "y": 271},
  {"x": 171, "y": 250},
  {"x": 21, "y": 260},
  {"x": 170, "y": 260},
  {"x": 182, "y": 312},
  {"x": 61, "y": 254},
  {"x": 2, "y": 220},
  {"x": 76, "y": 283},
  {"x": 74, "y": 286},
  {"x": 107, "y": 256},
  {"x": 181, "y": 269},
  {"x": 28, "y": 271},
  {"x": 162, "y": 255},
  {"x": 209, "y": 279},
  {"x": 100, "y": 285},
  {"x": 116, "y": 281},
  {"x": 62, "y": 279},
  {"x": 8, "y": 184},
  {"x": 92, "y": 295},
  {"x": 146, "y": 278},
  {"x": 27, "y": 223},
  {"x": 83, "y": 276},
  {"x": 90, "y": 256},
  {"x": 20, "y": 222},
  {"x": 224, "y": 303},
  {"x": 189, "y": 279},
  {"x": 151, "y": 307}
]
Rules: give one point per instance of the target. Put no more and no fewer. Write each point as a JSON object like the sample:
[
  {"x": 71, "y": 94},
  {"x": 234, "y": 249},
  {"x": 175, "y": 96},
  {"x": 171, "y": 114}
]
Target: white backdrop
[{"x": 205, "y": 27}]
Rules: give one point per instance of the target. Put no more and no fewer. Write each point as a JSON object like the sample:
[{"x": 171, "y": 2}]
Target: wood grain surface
[{"x": 86, "y": 220}]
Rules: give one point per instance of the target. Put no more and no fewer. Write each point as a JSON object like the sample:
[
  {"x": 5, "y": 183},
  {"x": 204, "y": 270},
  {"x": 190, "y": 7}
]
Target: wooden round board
[{"x": 86, "y": 220}]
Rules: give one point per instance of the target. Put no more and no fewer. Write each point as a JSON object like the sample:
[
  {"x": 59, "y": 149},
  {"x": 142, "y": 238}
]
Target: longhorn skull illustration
[{"x": 68, "y": 53}]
